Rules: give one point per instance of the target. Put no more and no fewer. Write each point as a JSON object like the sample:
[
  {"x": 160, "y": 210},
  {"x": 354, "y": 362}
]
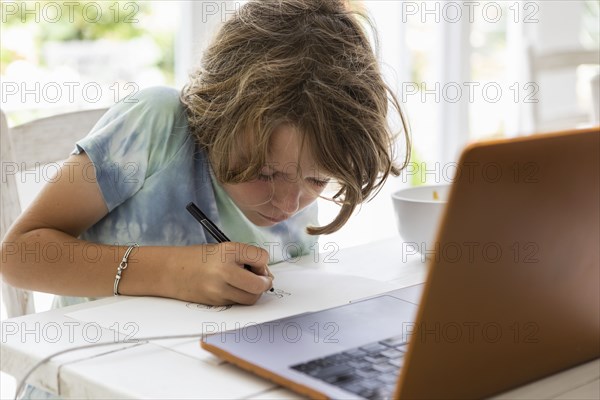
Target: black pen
[{"x": 211, "y": 228}]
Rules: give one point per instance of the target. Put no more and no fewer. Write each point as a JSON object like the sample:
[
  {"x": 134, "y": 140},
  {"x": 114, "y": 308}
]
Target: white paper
[{"x": 296, "y": 291}]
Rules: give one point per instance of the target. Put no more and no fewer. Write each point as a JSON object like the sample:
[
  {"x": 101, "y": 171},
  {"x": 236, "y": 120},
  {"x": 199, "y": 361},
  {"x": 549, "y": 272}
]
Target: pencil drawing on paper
[
  {"x": 206, "y": 307},
  {"x": 279, "y": 293}
]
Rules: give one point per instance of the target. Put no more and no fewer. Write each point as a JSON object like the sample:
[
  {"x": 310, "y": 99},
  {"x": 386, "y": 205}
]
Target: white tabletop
[{"x": 181, "y": 369}]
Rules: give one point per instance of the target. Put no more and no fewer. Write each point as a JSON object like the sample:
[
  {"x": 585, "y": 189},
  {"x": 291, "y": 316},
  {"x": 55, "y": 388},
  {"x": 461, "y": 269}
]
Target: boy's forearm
[{"x": 51, "y": 261}]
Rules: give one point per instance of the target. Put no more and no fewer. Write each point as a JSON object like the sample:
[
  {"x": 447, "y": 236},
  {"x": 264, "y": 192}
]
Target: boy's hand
[{"x": 214, "y": 274}]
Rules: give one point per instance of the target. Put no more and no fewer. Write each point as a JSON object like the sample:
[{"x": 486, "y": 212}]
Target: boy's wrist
[
  {"x": 166, "y": 285},
  {"x": 170, "y": 282},
  {"x": 151, "y": 272}
]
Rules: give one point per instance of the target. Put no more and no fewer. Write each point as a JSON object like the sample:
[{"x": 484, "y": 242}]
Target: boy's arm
[{"x": 41, "y": 252}]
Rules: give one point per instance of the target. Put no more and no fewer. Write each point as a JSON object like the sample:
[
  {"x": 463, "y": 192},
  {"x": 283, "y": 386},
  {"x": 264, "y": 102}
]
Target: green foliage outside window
[{"x": 52, "y": 21}]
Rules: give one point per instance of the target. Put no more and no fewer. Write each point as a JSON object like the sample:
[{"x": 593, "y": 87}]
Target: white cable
[{"x": 22, "y": 381}]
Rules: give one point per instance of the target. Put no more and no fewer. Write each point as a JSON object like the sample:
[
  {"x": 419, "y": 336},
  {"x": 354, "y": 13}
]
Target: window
[{"x": 63, "y": 56}]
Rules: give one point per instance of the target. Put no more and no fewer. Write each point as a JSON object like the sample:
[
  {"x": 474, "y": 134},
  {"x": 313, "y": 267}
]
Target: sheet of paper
[{"x": 296, "y": 291}]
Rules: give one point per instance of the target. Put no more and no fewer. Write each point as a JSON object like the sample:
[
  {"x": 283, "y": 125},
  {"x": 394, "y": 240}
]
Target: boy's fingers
[
  {"x": 248, "y": 281},
  {"x": 256, "y": 258},
  {"x": 240, "y": 296},
  {"x": 269, "y": 273},
  {"x": 255, "y": 277},
  {"x": 264, "y": 271},
  {"x": 253, "y": 256},
  {"x": 261, "y": 270}
]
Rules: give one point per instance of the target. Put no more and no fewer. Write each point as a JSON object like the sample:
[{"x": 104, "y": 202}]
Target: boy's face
[{"x": 289, "y": 182}]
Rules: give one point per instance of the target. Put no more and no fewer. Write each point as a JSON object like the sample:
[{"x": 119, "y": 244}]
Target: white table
[{"x": 151, "y": 370}]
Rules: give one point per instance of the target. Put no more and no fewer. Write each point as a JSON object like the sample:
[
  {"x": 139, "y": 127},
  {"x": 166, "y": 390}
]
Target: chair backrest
[
  {"x": 25, "y": 147},
  {"x": 541, "y": 64}
]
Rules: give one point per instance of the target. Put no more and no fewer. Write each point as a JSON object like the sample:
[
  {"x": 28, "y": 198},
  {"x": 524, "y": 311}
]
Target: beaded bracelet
[{"x": 122, "y": 266}]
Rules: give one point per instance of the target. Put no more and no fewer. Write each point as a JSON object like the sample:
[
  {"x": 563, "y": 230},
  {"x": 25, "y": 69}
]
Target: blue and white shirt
[{"x": 149, "y": 167}]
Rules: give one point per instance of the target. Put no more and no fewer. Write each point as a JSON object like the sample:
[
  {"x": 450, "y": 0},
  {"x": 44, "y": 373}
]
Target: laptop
[{"x": 512, "y": 293}]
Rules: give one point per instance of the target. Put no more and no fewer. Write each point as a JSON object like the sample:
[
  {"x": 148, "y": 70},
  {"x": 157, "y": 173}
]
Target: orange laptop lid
[{"x": 513, "y": 292}]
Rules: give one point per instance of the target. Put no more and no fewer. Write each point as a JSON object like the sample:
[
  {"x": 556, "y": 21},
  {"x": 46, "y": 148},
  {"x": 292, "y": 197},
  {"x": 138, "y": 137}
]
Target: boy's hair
[{"x": 307, "y": 63}]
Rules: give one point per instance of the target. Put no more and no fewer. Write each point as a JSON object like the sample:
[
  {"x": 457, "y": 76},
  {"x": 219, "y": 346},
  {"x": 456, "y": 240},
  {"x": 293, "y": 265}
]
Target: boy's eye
[
  {"x": 313, "y": 181},
  {"x": 264, "y": 177},
  {"x": 318, "y": 182}
]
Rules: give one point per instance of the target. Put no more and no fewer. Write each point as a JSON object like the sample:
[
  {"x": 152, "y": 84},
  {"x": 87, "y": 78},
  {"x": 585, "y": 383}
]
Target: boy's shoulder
[
  {"x": 161, "y": 98},
  {"x": 155, "y": 117}
]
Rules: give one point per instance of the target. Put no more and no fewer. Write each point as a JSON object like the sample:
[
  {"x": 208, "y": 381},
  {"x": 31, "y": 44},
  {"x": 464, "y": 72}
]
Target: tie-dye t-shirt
[{"x": 148, "y": 168}]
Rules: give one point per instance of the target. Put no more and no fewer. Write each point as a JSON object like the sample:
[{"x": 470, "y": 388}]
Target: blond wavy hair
[{"x": 307, "y": 63}]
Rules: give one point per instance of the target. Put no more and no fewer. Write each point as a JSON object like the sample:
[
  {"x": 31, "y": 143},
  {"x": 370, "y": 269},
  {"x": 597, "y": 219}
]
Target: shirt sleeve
[{"x": 132, "y": 141}]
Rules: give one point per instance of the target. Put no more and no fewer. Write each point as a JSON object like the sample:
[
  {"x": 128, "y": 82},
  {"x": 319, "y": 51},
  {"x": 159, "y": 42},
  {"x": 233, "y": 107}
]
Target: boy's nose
[{"x": 287, "y": 198}]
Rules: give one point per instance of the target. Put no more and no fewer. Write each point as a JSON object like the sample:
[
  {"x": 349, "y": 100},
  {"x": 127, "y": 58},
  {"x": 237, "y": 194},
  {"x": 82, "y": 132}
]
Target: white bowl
[{"x": 418, "y": 213}]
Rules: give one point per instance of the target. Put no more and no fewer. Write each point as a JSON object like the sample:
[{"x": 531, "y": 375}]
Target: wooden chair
[
  {"x": 544, "y": 64},
  {"x": 27, "y": 147}
]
